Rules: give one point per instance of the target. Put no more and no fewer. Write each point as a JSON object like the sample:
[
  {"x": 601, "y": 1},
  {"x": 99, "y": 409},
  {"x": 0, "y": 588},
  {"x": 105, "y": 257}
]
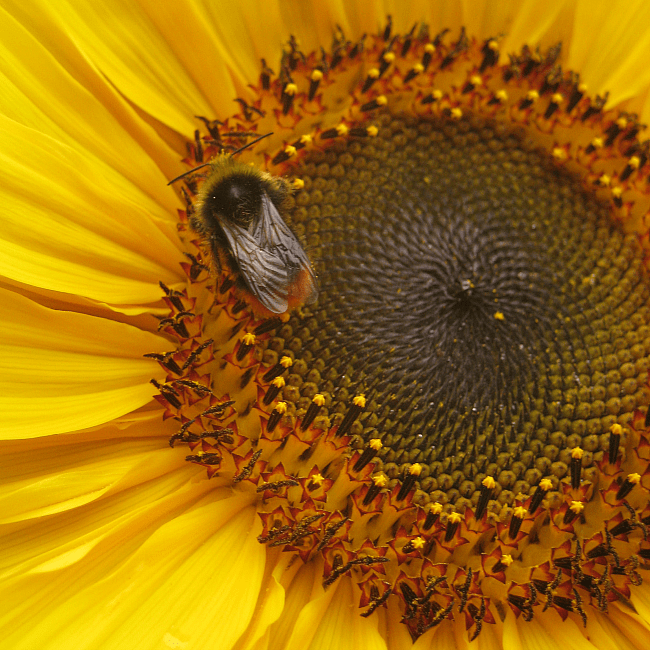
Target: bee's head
[{"x": 236, "y": 198}]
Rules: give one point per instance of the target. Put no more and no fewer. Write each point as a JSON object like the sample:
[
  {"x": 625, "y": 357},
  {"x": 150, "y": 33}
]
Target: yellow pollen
[
  {"x": 582, "y": 87},
  {"x": 597, "y": 143},
  {"x": 616, "y": 429},
  {"x": 290, "y": 150},
  {"x": 577, "y": 507},
  {"x": 389, "y": 57},
  {"x": 359, "y": 400},
  {"x": 418, "y": 68},
  {"x": 499, "y": 315},
  {"x": 279, "y": 382},
  {"x": 633, "y": 478},
  {"x": 546, "y": 484},
  {"x": 428, "y": 48},
  {"x": 317, "y": 479},
  {"x": 316, "y": 75},
  {"x": 249, "y": 338},
  {"x": 559, "y": 153},
  {"x": 437, "y": 95},
  {"x": 454, "y": 518},
  {"x": 476, "y": 80},
  {"x": 456, "y": 113},
  {"x": 501, "y": 95},
  {"x": 318, "y": 399},
  {"x": 557, "y": 98},
  {"x": 489, "y": 482},
  {"x": 381, "y": 100},
  {"x": 617, "y": 192},
  {"x": 577, "y": 453},
  {"x": 373, "y": 73},
  {"x": 634, "y": 162},
  {"x": 380, "y": 480},
  {"x": 290, "y": 89},
  {"x": 417, "y": 542},
  {"x": 507, "y": 559},
  {"x": 605, "y": 180},
  {"x": 372, "y": 131},
  {"x": 415, "y": 469},
  {"x": 286, "y": 362},
  {"x": 519, "y": 512},
  {"x": 281, "y": 407},
  {"x": 342, "y": 129},
  {"x": 376, "y": 444},
  {"x": 298, "y": 183},
  {"x": 435, "y": 508},
  {"x": 306, "y": 139},
  {"x": 532, "y": 95},
  {"x": 621, "y": 122},
  {"x": 493, "y": 45}
]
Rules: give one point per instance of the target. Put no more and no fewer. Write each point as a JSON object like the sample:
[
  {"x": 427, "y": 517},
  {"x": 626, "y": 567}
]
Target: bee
[{"x": 238, "y": 215}]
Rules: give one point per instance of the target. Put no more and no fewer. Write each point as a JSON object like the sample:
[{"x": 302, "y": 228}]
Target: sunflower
[{"x": 449, "y": 447}]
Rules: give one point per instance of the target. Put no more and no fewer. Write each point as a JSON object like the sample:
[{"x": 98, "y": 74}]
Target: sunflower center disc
[{"x": 487, "y": 305}]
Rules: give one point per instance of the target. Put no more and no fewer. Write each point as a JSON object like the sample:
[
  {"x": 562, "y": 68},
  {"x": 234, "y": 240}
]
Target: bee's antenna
[
  {"x": 250, "y": 144},
  {"x": 191, "y": 171}
]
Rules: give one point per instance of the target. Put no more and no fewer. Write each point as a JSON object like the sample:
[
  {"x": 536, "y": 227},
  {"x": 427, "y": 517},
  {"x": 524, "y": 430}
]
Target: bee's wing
[
  {"x": 273, "y": 233},
  {"x": 270, "y": 258}
]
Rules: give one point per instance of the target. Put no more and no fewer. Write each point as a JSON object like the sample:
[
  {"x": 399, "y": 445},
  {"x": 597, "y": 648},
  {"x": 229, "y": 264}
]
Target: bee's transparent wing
[{"x": 270, "y": 258}]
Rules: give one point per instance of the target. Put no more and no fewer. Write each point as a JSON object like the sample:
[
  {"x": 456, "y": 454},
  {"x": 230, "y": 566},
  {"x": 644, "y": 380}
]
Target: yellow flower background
[{"x": 108, "y": 538}]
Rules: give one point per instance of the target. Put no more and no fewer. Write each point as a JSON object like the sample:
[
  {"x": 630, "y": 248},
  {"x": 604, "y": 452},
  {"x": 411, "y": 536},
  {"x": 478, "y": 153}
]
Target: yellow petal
[
  {"x": 610, "y": 47},
  {"x": 64, "y": 371},
  {"x": 331, "y": 620},
  {"x": 76, "y": 106},
  {"x": 194, "y": 580},
  {"x": 124, "y": 44}
]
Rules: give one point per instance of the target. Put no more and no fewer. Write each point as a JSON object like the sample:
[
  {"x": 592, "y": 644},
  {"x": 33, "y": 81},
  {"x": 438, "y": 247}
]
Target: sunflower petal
[{"x": 63, "y": 371}]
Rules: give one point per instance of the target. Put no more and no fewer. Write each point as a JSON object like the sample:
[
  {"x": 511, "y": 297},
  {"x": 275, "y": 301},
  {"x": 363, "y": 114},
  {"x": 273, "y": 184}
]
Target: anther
[
  {"x": 338, "y": 131},
  {"x": 487, "y": 490},
  {"x": 498, "y": 97},
  {"x": 409, "y": 481},
  {"x": 247, "y": 470},
  {"x": 267, "y": 326},
  {"x": 628, "y": 485},
  {"x": 576, "y": 467},
  {"x": 432, "y": 97},
  {"x": 314, "y": 82},
  {"x": 632, "y": 165},
  {"x": 373, "y": 75},
  {"x": 227, "y": 284},
  {"x": 312, "y": 411},
  {"x": 531, "y": 97},
  {"x": 542, "y": 488},
  {"x": 274, "y": 390},
  {"x": 168, "y": 393},
  {"x": 574, "y": 509},
  {"x": 368, "y": 454},
  {"x": 596, "y": 106},
  {"x": 596, "y": 143},
  {"x": 554, "y": 104},
  {"x": 474, "y": 81},
  {"x": 452, "y": 525},
  {"x": 490, "y": 52},
  {"x": 417, "y": 69},
  {"x": 615, "y": 432},
  {"x": 358, "y": 404},
  {"x": 245, "y": 345},
  {"x": 166, "y": 361},
  {"x": 288, "y": 93},
  {"x": 429, "y": 49},
  {"x": 379, "y": 482},
  {"x": 386, "y": 59},
  {"x": 276, "y": 415},
  {"x": 503, "y": 563},
  {"x": 518, "y": 515},
  {"x": 577, "y": 93},
  {"x": 265, "y": 75},
  {"x": 282, "y": 365},
  {"x": 432, "y": 515},
  {"x": 375, "y": 103},
  {"x": 363, "y": 131}
]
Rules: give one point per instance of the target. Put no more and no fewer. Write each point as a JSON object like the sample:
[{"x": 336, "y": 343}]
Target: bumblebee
[{"x": 238, "y": 216}]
